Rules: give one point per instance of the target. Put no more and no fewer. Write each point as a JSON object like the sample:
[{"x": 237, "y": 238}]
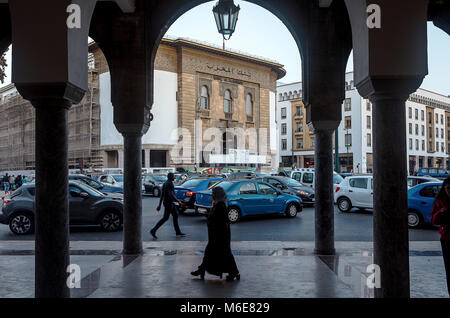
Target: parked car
[
  {"x": 420, "y": 203},
  {"x": 433, "y": 172},
  {"x": 306, "y": 176},
  {"x": 102, "y": 187},
  {"x": 87, "y": 206},
  {"x": 186, "y": 192},
  {"x": 251, "y": 197},
  {"x": 291, "y": 186},
  {"x": 153, "y": 183},
  {"x": 354, "y": 191},
  {"x": 242, "y": 175},
  {"x": 111, "y": 179},
  {"x": 413, "y": 181}
]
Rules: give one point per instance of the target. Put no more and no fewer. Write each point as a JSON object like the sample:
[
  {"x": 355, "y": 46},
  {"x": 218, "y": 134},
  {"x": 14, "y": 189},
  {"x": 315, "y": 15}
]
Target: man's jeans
[
  {"x": 6, "y": 186},
  {"x": 168, "y": 210}
]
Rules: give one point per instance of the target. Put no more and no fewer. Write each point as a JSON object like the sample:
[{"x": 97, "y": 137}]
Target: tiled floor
[{"x": 268, "y": 269}]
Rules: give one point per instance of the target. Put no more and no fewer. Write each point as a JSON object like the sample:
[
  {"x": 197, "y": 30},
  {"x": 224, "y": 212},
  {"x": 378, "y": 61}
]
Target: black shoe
[
  {"x": 230, "y": 278},
  {"x": 181, "y": 234},
  {"x": 200, "y": 273},
  {"x": 153, "y": 233}
]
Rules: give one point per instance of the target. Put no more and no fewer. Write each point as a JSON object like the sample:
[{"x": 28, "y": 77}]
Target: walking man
[
  {"x": 6, "y": 183},
  {"x": 168, "y": 198}
]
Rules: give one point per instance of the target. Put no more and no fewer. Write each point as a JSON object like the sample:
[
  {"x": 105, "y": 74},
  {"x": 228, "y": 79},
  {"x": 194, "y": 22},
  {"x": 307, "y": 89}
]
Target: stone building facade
[{"x": 193, "y": 81}]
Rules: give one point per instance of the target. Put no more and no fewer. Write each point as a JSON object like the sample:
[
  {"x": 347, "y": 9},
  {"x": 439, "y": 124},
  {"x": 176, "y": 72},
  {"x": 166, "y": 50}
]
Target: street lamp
[{"x": 226, "y": 14}]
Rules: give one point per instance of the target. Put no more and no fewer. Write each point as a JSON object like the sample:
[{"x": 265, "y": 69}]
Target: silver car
[{"x": 87, "y": 206}]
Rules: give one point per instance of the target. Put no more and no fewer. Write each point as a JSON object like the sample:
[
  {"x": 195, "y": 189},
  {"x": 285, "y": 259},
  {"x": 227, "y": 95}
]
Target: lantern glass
[{"x": 226, "y": 15}]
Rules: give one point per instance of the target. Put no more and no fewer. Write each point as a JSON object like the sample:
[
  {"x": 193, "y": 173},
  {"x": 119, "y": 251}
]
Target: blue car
[
  {"x": 187, "y": 191},
  {"x": 102, "y": 187},
  {"x": 251, "y": 197},
  {"x": 420, "y": 203},
  {"x": 433, "y": 172}
]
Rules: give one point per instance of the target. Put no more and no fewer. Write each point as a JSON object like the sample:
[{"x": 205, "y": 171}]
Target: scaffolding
[{"x": 17, "y": 131}]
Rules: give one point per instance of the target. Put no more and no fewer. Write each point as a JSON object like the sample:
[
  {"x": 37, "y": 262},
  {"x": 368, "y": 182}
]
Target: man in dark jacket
[
  {"x": 168, "y": 197},
  {"x": 6, "y": 185}
]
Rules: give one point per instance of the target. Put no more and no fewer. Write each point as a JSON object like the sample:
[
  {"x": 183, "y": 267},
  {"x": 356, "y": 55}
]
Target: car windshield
[
  {"x": 292, "y": 183},
  {"x": 90, "y": 190},
  {"x": 193, "y": 183},
  {"x": 91, "y": 183},
  {"x": 160, "y": 178},
  {"x": 118, "y": 177}
]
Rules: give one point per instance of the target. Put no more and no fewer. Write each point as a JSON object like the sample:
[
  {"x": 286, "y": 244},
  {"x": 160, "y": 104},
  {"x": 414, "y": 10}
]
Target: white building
[{"x": 428, "y": 130}]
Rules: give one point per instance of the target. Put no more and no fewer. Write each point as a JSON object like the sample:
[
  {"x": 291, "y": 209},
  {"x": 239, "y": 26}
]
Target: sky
[{"x": 261, "y": 33}]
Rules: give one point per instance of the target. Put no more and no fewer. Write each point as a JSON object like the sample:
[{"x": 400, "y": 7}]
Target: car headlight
[{"x": 303, "y": 193}]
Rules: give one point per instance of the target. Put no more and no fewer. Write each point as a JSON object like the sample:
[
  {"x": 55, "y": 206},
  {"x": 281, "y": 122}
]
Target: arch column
[
  {"x": 126, "y": 43},
  {"x": 50, "y": 70},
  {"x": 387, "y": 80},
  {"x": 328, "y": 45}
]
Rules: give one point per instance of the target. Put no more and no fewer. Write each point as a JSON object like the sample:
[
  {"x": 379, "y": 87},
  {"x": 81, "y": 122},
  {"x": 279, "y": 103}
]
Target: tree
[{"x": 3, "y": 66}]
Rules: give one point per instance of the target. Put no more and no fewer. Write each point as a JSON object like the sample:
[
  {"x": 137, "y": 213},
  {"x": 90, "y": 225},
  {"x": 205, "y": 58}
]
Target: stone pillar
[
  {"x": 433, "y": 162},
  {"x": 132, "y": 227},
  {"x": 390, "y": 231},
  {"x": 52, "y": 206},
  {"x": 324, "y": 206}
]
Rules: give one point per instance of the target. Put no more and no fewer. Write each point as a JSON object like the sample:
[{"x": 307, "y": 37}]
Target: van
[{"x": 307, "y": 176}]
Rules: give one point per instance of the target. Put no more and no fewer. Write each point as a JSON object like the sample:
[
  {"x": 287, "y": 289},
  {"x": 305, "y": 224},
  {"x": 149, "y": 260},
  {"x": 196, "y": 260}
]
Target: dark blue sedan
[
  {"x": 187, "y": 191},
  {"x": 420, "y": 203},
  {"x": 251, "y": 197}
]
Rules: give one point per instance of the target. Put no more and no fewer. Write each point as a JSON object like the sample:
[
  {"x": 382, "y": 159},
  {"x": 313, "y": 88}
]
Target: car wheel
[
  {"x": 110, "y": 221},
  {"x": 344, "y": 205},
  {"x": 291, "y": 210},
  {"x": 415, "y": 219},
  {"x": 233, "y": 214},
  {"x": 156, "y": 192},
  {"x": 22, "y": 223}
]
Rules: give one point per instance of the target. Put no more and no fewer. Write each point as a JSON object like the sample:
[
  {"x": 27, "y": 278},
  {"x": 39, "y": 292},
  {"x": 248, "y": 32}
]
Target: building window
[
  {"x": 417, "y": 129},
  {"x": 416, "y": 113},
  {"x": 437, "y": 146},
  {"x": 348, "y": 122},
  {"x": 348, "y": 104},
  {"x": 283, "y": 113},
  {"x": 437, "y": 133},
  {"x": 299, "y": 111},
  {"x": 369, "y": 140},
  {"x": 249, "y": 105},
  {"x": 429, "y": 118},
  {"x": 368, "y": 106},
  {"x": 410, "y": 144},
  {"x": 204, "y": 98},
  {"x": 284, "y": 144},
  {"x": 410, "y": 128},
  {"x": 423, "y": 130},
  {"x": 369, "y": 122},
  {"x": 423, "y": 145},
  {"x": 442, "y": 119},
  {"x": 348, "y": 140},
  {"x": 299, "y": 127},
  {"x": 437, "y": 118},
  {"x": 227, "y": 102},
  {"x": 300, "y": 143},
  {"x": 410, "y": 112},
  {"x": 442, "y": 133},
  {"x": 421, "y": 115},
  {"x": 442, "y": 147},
  {"x": 283, "y": 129},
  {"x": 417, "y": 144}
]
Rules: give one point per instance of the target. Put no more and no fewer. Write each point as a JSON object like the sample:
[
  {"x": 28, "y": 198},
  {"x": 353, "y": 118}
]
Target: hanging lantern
[{"x": 226, "y": 14}]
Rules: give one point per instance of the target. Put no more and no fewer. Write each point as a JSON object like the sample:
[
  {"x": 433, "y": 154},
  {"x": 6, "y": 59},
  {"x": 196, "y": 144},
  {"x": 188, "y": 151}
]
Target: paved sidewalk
[{"x": 268, "y": 269}]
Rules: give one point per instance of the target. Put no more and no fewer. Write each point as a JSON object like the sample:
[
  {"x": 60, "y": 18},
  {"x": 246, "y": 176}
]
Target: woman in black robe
[{"x": 218, "y": 258}]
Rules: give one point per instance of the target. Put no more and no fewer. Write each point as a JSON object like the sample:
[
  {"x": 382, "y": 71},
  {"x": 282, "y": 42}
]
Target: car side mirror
[{"x": 84, "y": 195}]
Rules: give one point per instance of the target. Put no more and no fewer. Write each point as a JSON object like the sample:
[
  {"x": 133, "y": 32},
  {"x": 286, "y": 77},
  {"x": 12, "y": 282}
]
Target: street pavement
[{"x": 354, "y": 226}]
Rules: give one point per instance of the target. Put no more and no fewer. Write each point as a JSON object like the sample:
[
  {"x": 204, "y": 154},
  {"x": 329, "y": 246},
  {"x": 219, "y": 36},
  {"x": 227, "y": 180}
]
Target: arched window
[
  {"x": 227, "y": 102},
  {"x": 249, "y": 105},
  {"x": 204, "y": 99}
]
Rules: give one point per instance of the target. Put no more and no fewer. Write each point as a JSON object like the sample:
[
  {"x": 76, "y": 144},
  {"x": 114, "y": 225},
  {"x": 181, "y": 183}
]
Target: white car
[
  {"x": 413, "y": 180},
  {"x": 354, "y": 192},
  {"x": 306, "y": 176}
]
